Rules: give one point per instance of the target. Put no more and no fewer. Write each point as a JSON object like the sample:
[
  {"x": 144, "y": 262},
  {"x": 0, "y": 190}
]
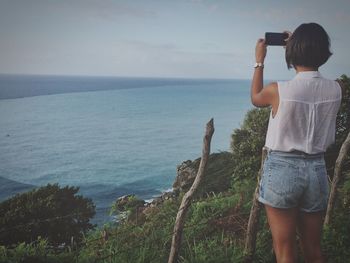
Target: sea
[{"x": 110, "y": 136}]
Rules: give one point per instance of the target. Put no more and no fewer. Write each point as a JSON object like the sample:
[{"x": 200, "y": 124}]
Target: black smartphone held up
[{"x": 275, "y": 39}]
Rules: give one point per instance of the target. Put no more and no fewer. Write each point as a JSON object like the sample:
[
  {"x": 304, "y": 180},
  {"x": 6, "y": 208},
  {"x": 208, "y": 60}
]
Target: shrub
[{"x": 50, "y": 212}]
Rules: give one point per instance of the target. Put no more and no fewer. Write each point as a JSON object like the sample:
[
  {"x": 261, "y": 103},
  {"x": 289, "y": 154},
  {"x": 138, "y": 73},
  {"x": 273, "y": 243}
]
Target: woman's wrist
[
  {"x": 260, "y": 51},
  {"x": 258, "y": 65}
]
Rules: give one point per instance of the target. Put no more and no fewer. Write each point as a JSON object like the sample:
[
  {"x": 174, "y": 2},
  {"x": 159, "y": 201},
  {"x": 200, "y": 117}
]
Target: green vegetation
[
  {"x": 49, "y": 212},
  {"x": 216, "y": 221}
]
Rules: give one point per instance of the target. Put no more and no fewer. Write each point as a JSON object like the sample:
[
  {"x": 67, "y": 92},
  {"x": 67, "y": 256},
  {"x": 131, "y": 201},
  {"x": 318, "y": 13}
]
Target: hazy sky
[{"x": 164, "y": 38}]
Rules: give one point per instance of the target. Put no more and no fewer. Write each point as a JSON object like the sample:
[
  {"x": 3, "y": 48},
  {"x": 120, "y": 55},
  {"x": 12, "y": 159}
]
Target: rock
[
  {"x": 128, "y": 201},
  {"x": 216, "y": 179},
  {"x": 165, "y": 196},
  {"x": 186, "y": 173}
]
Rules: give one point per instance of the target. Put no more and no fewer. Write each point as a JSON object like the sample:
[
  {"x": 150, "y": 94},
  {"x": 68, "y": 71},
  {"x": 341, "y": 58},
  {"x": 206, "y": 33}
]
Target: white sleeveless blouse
[{"x": 306, "y": 116}]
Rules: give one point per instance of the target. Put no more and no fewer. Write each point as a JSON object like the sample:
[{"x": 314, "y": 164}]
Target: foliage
[
  {"x": 343, "y": 118},
  {"x": 148, "y": 241},
  {"x": 213, "y": 229},
  {"x": 264, "y": 251},
  {"x": 247, "y": 143},
  {"x": 25, "y": 251},
  {"x": 342, "y": 127},
  {"x": 336, "y": 238},
  {"x": 38, "y": 251},
  {"x": 206, "y": 238},
  {"x": 50, "y": 212}
]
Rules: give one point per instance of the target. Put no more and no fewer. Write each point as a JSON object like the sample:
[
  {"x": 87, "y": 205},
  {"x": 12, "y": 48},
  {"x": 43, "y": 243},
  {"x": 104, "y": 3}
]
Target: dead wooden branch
[
  {"x": 254, "y": 216},
  {"x": 337, "y": 174},
  {"x": 186, "y": 200}
]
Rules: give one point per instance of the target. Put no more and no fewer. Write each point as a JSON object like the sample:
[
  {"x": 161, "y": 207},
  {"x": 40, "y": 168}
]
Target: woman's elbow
[
  {"x": 258, "y": 103},
  {"x": 255, "y": 104},
  {"x": 255, "y": 101}
]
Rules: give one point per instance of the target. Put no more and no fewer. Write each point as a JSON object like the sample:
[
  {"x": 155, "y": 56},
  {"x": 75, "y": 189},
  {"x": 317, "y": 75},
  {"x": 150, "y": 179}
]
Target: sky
[{"x": 161, "y": 38}]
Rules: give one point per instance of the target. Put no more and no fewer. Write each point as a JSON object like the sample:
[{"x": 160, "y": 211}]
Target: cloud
[
  {"x": 342, "y": 17},
  {"x": 208, "y": 5},
  {"x": 323, "y": 12},
  {"x": 174, "y": 61},
  {"x": 103, "y": 9},
  {"x": 273, "y": 14},
  {"x": 213, "y": 7}
]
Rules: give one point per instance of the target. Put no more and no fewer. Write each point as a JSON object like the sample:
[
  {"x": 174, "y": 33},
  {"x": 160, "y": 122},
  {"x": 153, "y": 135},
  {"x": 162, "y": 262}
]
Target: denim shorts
[{"x": 294, "y": 179}]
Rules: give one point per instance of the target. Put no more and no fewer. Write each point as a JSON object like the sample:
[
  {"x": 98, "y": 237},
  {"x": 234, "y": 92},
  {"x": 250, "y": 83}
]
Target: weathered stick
[
  {"x": 186, "y": 200},
  {"x": 254, "y": 216},
  {"x": 337, "y": 173}
]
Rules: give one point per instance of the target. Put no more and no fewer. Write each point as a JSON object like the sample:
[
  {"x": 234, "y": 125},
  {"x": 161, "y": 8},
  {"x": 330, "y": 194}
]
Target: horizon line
[{"x": 119, "y": 76}]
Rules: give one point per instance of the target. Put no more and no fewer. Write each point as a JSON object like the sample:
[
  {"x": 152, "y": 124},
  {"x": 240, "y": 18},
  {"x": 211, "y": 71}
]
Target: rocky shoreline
[{"x": 217, "y": 179}]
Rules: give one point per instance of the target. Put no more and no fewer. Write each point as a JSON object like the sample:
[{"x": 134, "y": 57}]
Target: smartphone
[{"x": 275, "y": 39}]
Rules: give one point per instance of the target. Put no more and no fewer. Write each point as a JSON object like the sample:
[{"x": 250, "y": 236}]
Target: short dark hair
[{"x": 308, "y": 46}]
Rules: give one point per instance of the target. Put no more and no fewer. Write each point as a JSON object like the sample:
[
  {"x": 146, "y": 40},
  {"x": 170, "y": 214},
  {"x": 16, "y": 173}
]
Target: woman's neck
[{"x": 302, "y": 69}]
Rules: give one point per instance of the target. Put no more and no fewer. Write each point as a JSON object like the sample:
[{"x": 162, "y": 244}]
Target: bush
[
  {"x": 247, "y": 143},
  {"x": 50, "y": 212},
  {"x": 342, "y": 128},
  {"x": 36, "y": 252}
]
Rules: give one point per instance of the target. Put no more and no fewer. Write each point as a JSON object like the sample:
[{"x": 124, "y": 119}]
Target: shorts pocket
[
  {"x": 262, "y": 183},
  {"x": 321, "y": 173},
  {"x": 282, "y": 177}
]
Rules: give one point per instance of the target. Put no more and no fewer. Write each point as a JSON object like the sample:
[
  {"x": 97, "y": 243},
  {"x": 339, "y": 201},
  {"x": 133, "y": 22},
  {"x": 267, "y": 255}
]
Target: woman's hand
[{"x": 260, "y": 51}]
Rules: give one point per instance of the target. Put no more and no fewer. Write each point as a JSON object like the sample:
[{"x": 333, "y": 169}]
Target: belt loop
[{"x": 268, "y": 151}]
